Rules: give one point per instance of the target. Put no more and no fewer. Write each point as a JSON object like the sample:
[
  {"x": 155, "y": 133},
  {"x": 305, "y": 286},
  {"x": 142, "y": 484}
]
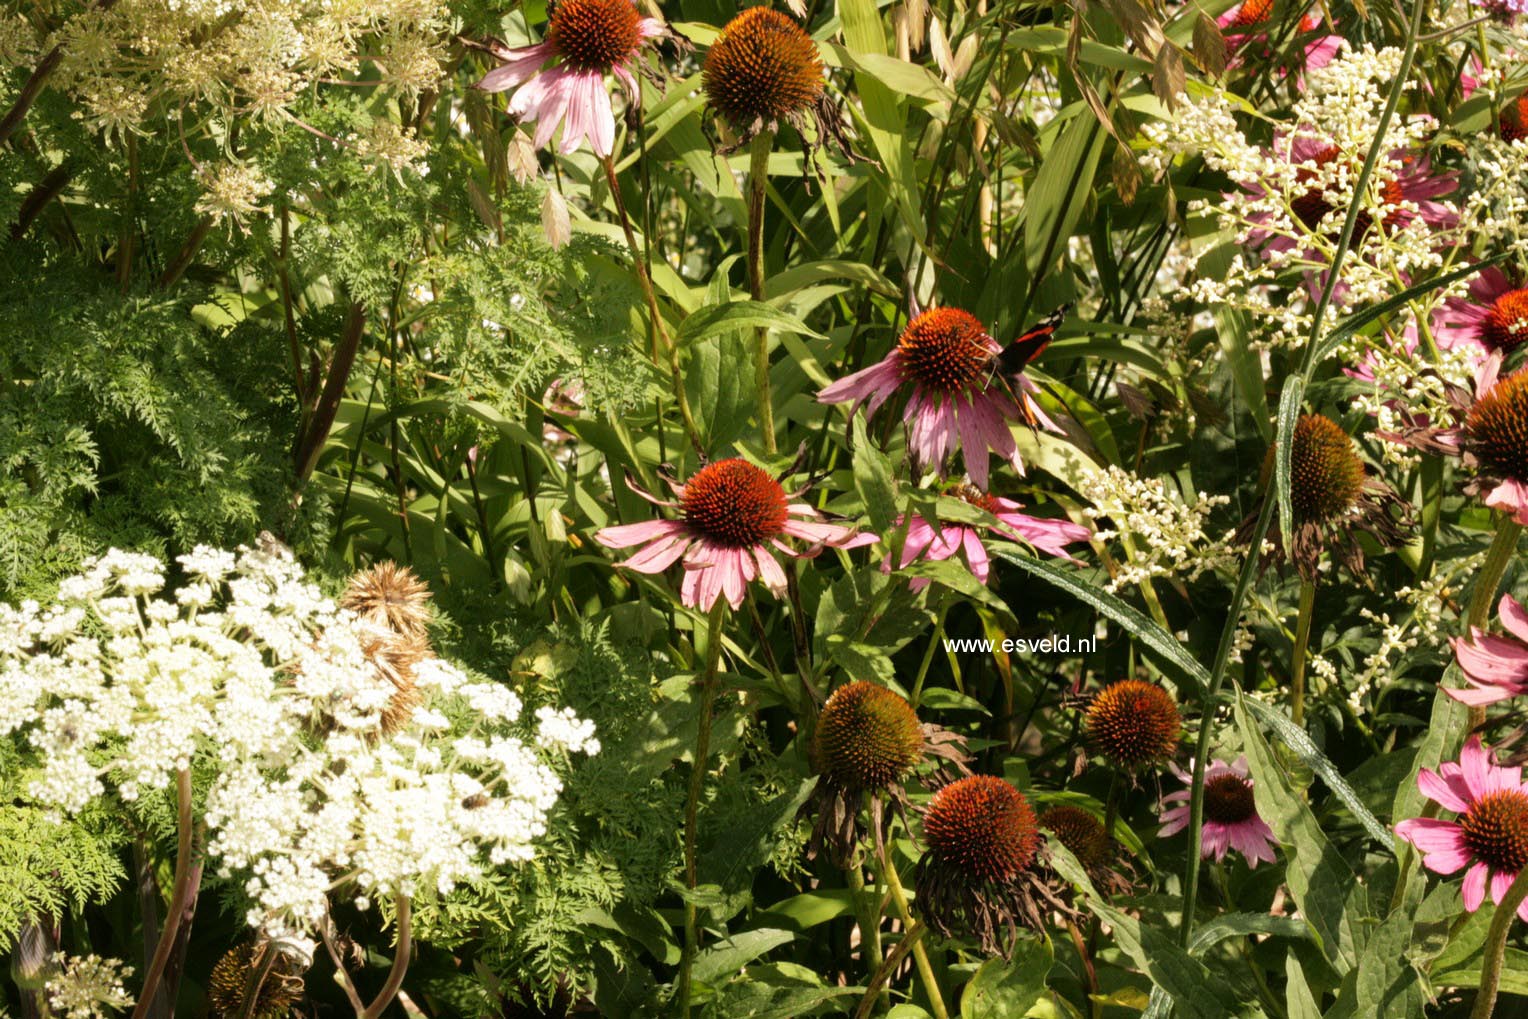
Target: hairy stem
[
  {"x": 1496, "y": 946},
  {"x": 869, "y": 918},
  {"x": 920, "y": 955},
  {"x": 334, "y": 390},
  {"x": 660, "y": 331},
  {"x": 179, "y": 895},
  {"x": 692, "y": 801},
  {"x": 910, "y": 942},
  {"x": 400, "y": 966},
  {"x": 1302, "y": 643},
  {"x": 758, "y": 180},
  {"x": 186, "y": 255}
]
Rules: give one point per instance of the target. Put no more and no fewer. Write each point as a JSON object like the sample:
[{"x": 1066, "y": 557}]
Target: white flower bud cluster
[
  {"x": 1167, "y": 533},
  {"x": 1291, "y": 209},
  {"x": 88, "y": 987},
  {"x": 117, "y": 687}
]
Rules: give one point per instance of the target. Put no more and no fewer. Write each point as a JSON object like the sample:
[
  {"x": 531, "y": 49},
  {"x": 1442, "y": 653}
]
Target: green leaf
[
  {"x": 1322, "y": 884},
  {"x": 1163, "y": 644},
  {"x": 810, "y": 909},
  {"x": 728, "y": 858},
  {"x": 873, "y": 479},
  {"x": 1297, "y": 740},
  {"x": 1233, "y": 329},
  {"x": 1056, "y": 199},
  {"x": 1385, "y": 985},
  {"x": 866, "y": 37},
  {"x": 1353, "y": 323},
  {"x": 1289, "y": 416},
  {"x": 718, "y": 320},
  {"x": 735, "y": 952},
  {"x": 1196, "y": 993},
  {"x": 1002, "y": 988}
]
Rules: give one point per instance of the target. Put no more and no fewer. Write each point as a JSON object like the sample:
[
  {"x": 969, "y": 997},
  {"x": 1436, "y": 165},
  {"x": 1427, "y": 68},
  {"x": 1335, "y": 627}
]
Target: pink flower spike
[
  {"x": 1231, "y": 820},
  {"x": 733, "y": 517},
  {"x": 1490, "y": 835}
]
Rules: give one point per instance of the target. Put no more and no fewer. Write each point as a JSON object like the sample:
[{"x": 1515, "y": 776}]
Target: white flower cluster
[
  {"x": 322, "y": 781},
  {"x": 1426, "y": 625},
  {"x": 88, "y": 987},
  {"x": 1401, "y": 392},
  {"x": 1289, "y": 205},
  {"x": 1166, "y": 534}
]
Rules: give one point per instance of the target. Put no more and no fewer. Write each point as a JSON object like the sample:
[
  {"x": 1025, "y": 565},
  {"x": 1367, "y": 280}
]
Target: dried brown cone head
[
  {"x": 762, "y": 69},
  {"x": 391, "y": 596},
  {"x": 394, "y": 656},
  {"x": 1081, "y": 833},
  {"x": 980, "y": 875},
  {"x": 238, "y": 973},
  {"x": 1332, "y": 499},
  {"x": 1134, "y": 724},
  {"x": 867, "y": 737},
  {"x": 1326, "y": 477}
]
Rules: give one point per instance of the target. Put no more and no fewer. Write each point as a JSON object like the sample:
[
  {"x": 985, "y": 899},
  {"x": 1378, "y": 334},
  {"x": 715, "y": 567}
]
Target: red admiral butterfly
[{"x": 1011, "y": 361}]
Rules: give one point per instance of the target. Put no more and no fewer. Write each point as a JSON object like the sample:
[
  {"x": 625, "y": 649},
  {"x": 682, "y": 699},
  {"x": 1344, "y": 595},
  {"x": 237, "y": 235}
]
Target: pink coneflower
[
  {"x": 1490, "y": 835},
  {"x": 1495, "y": 665},
  {"x": 1490, "y": 434},
  {"x": 923, "y": 542},
  {"x": 590, "y": 39},
  {"x": 731, "y": 512},
  {"x": 1407, "y": 197},
  {"x": 1493, "y": 316},
  {"x": 1246, "y": 29},
  {"x": 947, "y": 358},
  {"x": 1230, "y": 813}
]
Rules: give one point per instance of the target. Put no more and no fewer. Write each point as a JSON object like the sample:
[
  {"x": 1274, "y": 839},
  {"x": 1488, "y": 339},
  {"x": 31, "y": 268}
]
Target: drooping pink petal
[
  {"x": 1441, "y": 843},
  {"x": 1501, "y": 880},
  {"x": 660, "y": 555},
  {"x": 1173, "y": 821},
  {"x": 1513, "y": 616},
  {"x": 769, "y": 571},
  {"x": 520, "y": 64},
  {"x": 1473, "y": 891},
  {"x": 1451, "y": 794},
  {"x": 626, "y": 535},
  {"x": 1475, "y": 766},
  {"x": 976, "y": 554}
]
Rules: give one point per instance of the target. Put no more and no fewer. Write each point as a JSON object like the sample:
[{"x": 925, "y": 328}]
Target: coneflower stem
[
  {"x": 920, "y": 955},
  {"x": 179, "y": 895},
  {"x": 692, "y": 801},
  {"x": 758, "y": 179},
  {"x": 660, "y": 331},
  {"x": 877, "y": 988},
  {"x": 870, "y": 934},
  {"x": 934, "y": 641},
  {"x": 394, "y": 982},
  {"x": 1302, "y": 643},
  {"x": 1496, "y": 946},
  {"x": 1503, "y": 548}
]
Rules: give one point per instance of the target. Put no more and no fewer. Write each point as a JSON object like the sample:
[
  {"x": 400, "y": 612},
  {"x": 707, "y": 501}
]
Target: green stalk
[
  {"x": 920, "y": 954},
  {"x": 1496, "y": 946},
  {"x": 1302, "y": 643},
  {"x": 1503, "y": 548},
  {"x": 692, "y": 802},
  {"x": 1265, "y": 517},
  {"x": 179, "y": 895},
  {"x": 758, "y": 179},
  {"x": 869, "y": 917}
]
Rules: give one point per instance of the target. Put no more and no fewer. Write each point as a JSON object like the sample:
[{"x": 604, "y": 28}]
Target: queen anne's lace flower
[{"x": 321, "y": 781}]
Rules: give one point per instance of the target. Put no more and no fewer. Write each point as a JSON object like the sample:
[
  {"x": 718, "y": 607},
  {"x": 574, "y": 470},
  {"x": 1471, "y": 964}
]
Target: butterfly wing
[{"x": 1017, "y": 356}]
